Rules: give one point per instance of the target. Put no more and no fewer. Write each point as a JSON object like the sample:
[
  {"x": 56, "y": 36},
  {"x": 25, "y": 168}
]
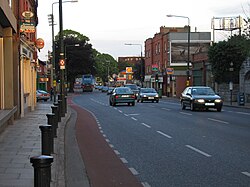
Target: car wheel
[
  {"x": 192, "y": 106},
  {"x": 133, "y": 104},
  {"x": 138, "y": 100},
  {"x": 141, "y": 101},
  {"x": 219, "y": 109},
  {"x": 183, "y": 107},
  {"x": 152, "y": 101},
  {"x": 128, "y": 104},
  {"x": 110, "y": 103},
  {"x": 157, "y": 101},
  {"x": 113, "y": 104}
]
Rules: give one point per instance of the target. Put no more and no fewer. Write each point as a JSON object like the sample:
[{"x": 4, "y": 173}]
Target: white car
[{"x": 42, "y": 95}]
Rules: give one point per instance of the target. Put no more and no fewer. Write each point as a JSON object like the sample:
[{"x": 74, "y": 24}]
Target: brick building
[{"x": 166, "y": 58}]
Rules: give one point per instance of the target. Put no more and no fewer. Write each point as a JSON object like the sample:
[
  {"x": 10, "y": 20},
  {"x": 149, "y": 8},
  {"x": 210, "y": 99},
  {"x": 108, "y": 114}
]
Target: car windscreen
[
  {"x": 148, "y": 90},
  {"x": 202, "y": 91}
]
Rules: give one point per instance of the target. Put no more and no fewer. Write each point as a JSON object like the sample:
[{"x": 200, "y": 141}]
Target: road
[{"x": 163, "y": 145}]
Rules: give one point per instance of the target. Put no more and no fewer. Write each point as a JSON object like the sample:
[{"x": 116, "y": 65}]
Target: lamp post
[
  {"x": 52, "y": 24},
  {"x": 188, "y": 68},
  {"x": 65, "y": 51},
  {"x": 141, "y": 74}
]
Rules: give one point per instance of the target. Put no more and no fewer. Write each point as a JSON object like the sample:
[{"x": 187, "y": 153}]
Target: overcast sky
[{"x": 111, "y": 23}]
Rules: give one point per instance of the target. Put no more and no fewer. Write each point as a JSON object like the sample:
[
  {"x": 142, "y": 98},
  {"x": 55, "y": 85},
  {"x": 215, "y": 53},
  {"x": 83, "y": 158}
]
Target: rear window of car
[
  {"x": 123, "y": 91},
  {"x": 132, "y": 86},
  {"x": 148, "y": 90}
]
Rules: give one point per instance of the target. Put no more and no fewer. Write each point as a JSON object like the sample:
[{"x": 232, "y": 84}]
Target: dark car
[
  {"x": 200, "y": 97},
  {"x": 122, "y": 95},
  {"x": 148, "y": 94},
  {"x": 42, "y": 95},
  {"x": 134, "y": 88}
]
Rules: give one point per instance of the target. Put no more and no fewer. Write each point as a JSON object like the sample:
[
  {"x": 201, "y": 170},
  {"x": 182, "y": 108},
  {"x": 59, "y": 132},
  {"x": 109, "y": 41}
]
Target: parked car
[
  {"x": 148, "y": 94},
  {"x": 122, "y": 95},
  {"x": 42, "y": 95},
  {"x": 134, "y": 88},
  {"x": 200, "y": 97}
]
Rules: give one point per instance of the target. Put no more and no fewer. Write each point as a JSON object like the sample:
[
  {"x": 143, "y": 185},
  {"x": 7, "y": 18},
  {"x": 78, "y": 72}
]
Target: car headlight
[
  {"x": 217, "y": 100},
  {"x": 201, "y": 100},
  {"x": 144, "y": 95},
  {"x": 156, "y": 95}
]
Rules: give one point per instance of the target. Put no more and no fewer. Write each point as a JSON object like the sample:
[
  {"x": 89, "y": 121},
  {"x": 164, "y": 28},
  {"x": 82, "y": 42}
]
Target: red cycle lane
[{"x": 104, "y": 167}]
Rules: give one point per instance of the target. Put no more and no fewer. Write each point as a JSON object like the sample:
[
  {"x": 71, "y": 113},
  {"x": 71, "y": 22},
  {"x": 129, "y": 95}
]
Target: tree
[
  {"x": 105, "y": 65},
  {"x": 226, "y": 58},
  {"x": 79, "y": 60}
]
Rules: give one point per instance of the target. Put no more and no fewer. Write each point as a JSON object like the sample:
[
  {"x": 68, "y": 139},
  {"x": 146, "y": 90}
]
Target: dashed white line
[
  {"x": 246, "y": 173},
  {"x": 145, "y": 184},
  {"x": 198, "y": 151},
  {"x": 146, "y": 125},
  {"x": 126, "y": 115},
  {"x": 124, "y": 160},
  {"x": 116, "y": 152},
  {"x": 101, "y": 131},
  {"x": 133, "y": 171},
  {"x": 111, "y": 145},
  {"x": 165, "y": 109},
  {"x": 120, "y": 111},
  {"x": 216, "y": 120},
  {"x": 107, "y": 140},
  {"x": 133, "y": 118},
  {"x": 164, "y": 134},
  {"x": 185, "y": 113},
  {"x": 243, "y": 113},
  {"x": 104, "y": 135}
]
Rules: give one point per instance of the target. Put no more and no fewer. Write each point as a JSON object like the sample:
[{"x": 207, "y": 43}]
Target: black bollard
[
  {"x": 42, "y": 170},
  {"x": 47, "y": 139},
  {"x": 58, "y": 110},
  {"x": 61, "y": 108},
  {"x": 51, "y": 121},
  {"x": 65, "y": 101},
  {"x": 55, "y": 111}
]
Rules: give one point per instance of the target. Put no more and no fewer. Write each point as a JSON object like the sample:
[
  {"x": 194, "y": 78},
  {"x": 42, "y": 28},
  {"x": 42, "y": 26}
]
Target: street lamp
[
  {"x": 62, "y": 60},
  {"x": 188, "y": 73},
  {"x": 52, "y": 23},
  {"x": 141, "y": 75},
  {"x": 65, "y": 51}
]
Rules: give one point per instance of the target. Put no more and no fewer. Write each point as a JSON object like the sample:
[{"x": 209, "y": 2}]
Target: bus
[{"x": 88, "y": 82}]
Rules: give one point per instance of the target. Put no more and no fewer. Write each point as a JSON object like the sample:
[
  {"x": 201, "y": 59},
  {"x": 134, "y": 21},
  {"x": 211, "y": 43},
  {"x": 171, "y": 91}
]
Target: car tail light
[
  {"x": 132, "y": 96},
  {"x": 116, "y": 96}
]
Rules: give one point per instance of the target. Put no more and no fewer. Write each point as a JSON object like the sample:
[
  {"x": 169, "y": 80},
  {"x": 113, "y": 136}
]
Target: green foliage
[
  {"x": 105, "y": 65},
  {"x": 226, "y": 58}
]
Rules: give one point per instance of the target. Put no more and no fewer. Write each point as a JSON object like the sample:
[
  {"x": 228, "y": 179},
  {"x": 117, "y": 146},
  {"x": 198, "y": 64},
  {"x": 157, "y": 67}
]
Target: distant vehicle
[
  {"x": 42, "y": 95},
  {"x": 88, "y": 82},
  {"x": 122, "y": 95},
  {"x": 148, "y": 94},
  {"x": 200, "y": 97},
  {"x": 134, "y": 88}
]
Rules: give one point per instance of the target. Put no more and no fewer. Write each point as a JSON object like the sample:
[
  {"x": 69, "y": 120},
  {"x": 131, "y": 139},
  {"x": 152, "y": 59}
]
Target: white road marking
[
  {"x": 124, "y": 160},
  {"x": 145, "y": 184},
  {"x": 246, "y": 173},
  {"x": 104, "y": 135},
  {"x": 198, "y": 151},
  {"x": 120, "y": 111},
  {"x": 146, "y": 125},
  {"x": 243, "y": 113},
  {"x": 116, "y": 152},
  {"x": 126, "y": 115},
  {"x": 216, "y": 120},
  {"x": 165, "y": 109},
  {"x": 101, "y": 131},
  {"x": 100, "y": 127},
  {"x": 133, "y": 118},
  {"x": 185, "y": 113},
  {"x": 107, "y": 140},
  {"x": 133, "y": 171},
  {"x": 111, "y": 145},
  {"x": 133, "y": 114},
  {"x": 164, "y": 134}
]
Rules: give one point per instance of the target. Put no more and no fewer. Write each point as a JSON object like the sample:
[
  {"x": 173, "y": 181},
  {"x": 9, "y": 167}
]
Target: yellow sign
[{"x": 129, "y": 70}]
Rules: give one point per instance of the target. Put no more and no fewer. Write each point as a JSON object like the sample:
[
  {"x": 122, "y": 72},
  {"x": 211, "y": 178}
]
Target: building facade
[
  {"x": 18, "y": 21},
  {"x": 166, "y": 57}
]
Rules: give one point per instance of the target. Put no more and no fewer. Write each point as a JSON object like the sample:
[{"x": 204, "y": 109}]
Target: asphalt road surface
[{"x": 161, "y": 145}]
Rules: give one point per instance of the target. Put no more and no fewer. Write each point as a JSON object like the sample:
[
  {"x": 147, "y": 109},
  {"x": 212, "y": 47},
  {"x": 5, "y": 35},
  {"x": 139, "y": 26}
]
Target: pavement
[{"x": 22, "y": 140}]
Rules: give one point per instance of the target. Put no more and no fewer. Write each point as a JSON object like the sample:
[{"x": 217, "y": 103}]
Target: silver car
[{"x": 148, "y": 94}]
